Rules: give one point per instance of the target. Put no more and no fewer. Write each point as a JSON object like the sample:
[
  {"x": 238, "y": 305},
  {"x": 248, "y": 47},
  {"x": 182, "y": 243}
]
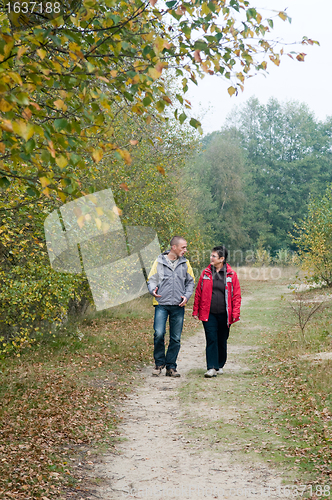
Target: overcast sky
[{"x": 308, "y": 81}]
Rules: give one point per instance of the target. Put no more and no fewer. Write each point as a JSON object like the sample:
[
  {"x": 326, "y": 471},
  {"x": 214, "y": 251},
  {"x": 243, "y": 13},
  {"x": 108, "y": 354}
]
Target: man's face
[{"x": 180, "y": 249}]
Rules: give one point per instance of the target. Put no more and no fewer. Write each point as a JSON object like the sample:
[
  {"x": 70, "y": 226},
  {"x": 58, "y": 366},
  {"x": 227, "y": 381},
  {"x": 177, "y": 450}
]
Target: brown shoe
[
  {"x": 157, "y": 370},
  {"x": 172, "y": 373}
]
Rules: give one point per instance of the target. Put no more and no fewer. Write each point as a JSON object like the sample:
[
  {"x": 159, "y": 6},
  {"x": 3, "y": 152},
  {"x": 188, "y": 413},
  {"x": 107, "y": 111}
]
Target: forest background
[{"x": 95, "y": 99}]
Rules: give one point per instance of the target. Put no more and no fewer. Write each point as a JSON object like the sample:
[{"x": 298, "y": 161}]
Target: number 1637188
[{"x": 33, "y": 7}]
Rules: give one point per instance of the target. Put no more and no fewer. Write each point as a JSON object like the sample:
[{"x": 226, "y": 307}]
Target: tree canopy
[
  {"x": 313, "y": 237},
  {"x": 64, "y": 82},
  {"x": 257, "y": 178}
]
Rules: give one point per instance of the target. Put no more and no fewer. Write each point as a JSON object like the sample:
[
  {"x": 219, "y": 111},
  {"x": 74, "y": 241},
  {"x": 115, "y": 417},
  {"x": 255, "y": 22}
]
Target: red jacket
[{"x": 203, "y": 295}]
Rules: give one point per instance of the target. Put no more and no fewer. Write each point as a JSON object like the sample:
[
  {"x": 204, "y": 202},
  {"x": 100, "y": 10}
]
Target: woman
[{"x": 217, "y": 304}]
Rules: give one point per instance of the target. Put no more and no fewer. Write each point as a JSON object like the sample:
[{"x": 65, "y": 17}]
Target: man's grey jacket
[{"x": 171, "y": 283}]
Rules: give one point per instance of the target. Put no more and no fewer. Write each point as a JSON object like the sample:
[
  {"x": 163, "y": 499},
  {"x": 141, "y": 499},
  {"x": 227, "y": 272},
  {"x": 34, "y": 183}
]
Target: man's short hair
[
  {"x": 176, "y": 240},
  {"x": 221, "y": 251}
]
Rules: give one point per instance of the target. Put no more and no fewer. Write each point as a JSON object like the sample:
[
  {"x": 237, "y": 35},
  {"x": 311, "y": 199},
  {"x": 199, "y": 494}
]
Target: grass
[
  {"x": 280, "y": 409},
  {"x": 59, "y": 401}
]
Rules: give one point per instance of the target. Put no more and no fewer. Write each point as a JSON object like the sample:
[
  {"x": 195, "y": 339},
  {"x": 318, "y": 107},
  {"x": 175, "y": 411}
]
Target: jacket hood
[{"x": 160, "y": 257}]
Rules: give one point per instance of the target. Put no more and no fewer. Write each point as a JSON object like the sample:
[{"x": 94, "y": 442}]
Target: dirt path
[{"x": 155, "y": 461}]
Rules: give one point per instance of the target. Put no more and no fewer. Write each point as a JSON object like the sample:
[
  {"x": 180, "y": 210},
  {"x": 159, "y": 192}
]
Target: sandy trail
[{"x": 155, "y": 461}]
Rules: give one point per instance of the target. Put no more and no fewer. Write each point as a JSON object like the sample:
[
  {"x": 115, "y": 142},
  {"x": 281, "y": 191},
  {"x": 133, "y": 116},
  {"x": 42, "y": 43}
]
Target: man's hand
[
  {"x": 154, "y": 293},
  {"x": 184, "y": 301}
]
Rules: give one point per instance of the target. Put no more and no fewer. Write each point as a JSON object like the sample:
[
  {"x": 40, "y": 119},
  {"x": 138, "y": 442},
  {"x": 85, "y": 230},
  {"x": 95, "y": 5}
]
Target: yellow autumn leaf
[
  {"x": 161, "y": 170},
  {"x": 97, "y": 155},
  {"x": 80, "y": 221},
  {"x": 148, "y": 37},
  {"x": 61, "y": 161},
  {"x": 93, "y": 199},
  {"x": 275, "y": 60},
  {"x": 6, "y": 125},
  {"x": 59, "y": 103},
  {"x": 154, "y": 73},
  {"x": 15, "y": 77},
  {"x": 117, "y": 210},
  {"x": 35, "y": 105},
  {"x": 103, "y": 79},
  {"x": 105, "y": 227},
  {"x": 99, "y": 211},
  {"x": 197, "y": 56},
  {"x": 98, "y": 222},
  {"x": 21, "y": 51},
  {"x": 2, "y": 147},
  {"x": 205, "y": 9},
  {"x": 62, "y": 196},
  {"x": 27, "y": 113},
  {"x": 231, "y": 91},
  {"x": 23, "y": 129},
  {"x": 44, "y": 181},
  {"x": 160, "y": 44},
  {"x": 300, "y": 57},
  {"x": 159, "y": 66},
  {"x": 282, "y": 16},
  {"x": 5, "y": 105},
  {"x": 57, "y": 67},
  {"x": 42, "y": 53},
  {"x": 167, "y": 99},
  {"x": 126, "y": 156},
  {"x": 51, "y": 148},
  {"x": 240, "y": 76}
]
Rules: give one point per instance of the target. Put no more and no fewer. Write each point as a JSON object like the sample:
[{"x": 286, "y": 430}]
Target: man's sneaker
[
  {"x": 210, "y": 373},
  {"x": 220, "y": 371},
  {"x": 157, "y": 370},
  {"x": 172, "y": 373}
]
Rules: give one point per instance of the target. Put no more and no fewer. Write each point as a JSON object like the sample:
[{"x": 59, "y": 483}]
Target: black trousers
[{"x": 216, "y": 334}]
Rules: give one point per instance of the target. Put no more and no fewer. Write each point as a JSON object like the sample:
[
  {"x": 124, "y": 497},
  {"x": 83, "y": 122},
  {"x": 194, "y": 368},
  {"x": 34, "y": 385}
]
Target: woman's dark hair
[{"x": 221, "y": 251}]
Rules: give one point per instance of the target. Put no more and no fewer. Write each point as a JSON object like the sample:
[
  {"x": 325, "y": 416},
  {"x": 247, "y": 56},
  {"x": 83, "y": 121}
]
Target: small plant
[
  {"x": 262, "y": 255},
  {"x": 304, "y": 309},
  {"x": 284, "y": 257}
]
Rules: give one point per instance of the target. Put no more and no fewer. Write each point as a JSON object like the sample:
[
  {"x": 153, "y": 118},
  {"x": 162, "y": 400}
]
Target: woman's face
[{"x": 215, "y": 260}]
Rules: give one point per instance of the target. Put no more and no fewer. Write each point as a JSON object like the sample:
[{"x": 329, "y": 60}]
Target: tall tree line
[{"x": 256, "y": 175}]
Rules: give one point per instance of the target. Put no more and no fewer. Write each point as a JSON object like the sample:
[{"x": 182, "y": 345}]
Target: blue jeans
[
  {"x": 216, "y": 334},
  {"x": 176, "y": 315}
]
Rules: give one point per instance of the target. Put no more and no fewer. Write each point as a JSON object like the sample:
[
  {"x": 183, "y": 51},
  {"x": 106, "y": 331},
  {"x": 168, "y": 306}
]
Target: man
[{"x": 171, "y": 282}]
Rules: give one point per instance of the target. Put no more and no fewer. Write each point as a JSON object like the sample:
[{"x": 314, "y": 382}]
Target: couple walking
[{"x": 217, "y": 304}]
